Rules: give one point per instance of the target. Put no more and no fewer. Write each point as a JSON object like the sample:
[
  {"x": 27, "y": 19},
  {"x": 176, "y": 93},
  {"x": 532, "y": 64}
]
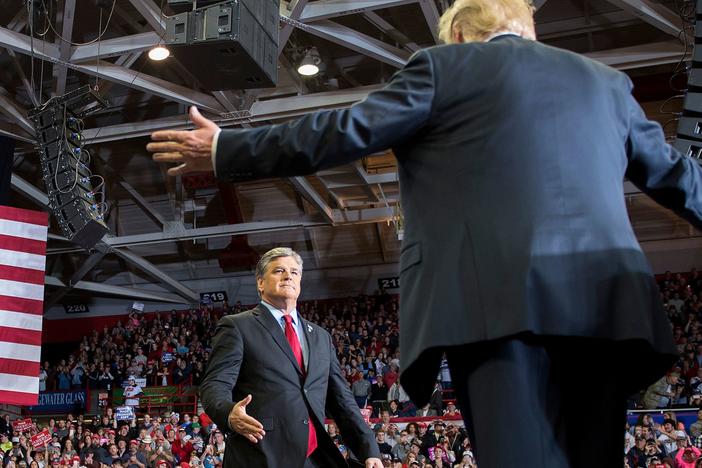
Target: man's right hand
[{"x": 243, "y": 424}]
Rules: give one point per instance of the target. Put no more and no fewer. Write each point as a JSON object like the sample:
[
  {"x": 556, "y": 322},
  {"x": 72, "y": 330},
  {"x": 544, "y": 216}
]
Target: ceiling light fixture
[
  {"x": 309, "y": 66},
  {"x": 160, "y": 52}
]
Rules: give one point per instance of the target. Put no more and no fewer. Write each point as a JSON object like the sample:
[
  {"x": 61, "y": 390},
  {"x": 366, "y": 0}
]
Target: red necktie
[{"x": 294, "y": 343}]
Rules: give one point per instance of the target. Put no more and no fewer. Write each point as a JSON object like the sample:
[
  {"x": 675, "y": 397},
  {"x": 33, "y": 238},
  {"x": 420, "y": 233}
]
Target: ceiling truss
[{"x": 377, "y": 191}]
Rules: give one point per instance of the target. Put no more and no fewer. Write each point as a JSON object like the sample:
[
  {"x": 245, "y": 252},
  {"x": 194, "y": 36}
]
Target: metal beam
[
  {"x": 114, "y": 47},
  {"x": 60, "y": 71},
  {"x": 584, "y": 25},
  {"x": 210, "y": 232},
  {"x": 23, "y": 77},
  {"x": 538, "y": 4},
  {"x": 126, "y": 61},
  {"x": 355, "y": 41},
  {"x": 652, "y": 13},
  {"x": 387, "y": 28},
  {"x": 112, "y": 290},
  {"x": 311, "y": 195},
  {"x": 153, "y": 271},
  {"x": 15, "y": 112},
  {"x": 146, "y": 207},
  {"x": 361, "y": 172},
  {"x": 17, "y": 24},
  {"x": 151, "y": 13},
  {"x": 30, "y": 191},
  {"x": 23, "y": 44},
  {"x": 293, "y": 10},
  {"x": 372, "y": 215},
  {"x": 326, "y": 9},
  {"x": 645, "y": 55},
  {"x": 79, "y": 274},
  {"x": 13, "y": 131},
  {"x": 260, "y": 111},
  {"x": 150, "y": 84},
  {"x": 431, "y": 14}
]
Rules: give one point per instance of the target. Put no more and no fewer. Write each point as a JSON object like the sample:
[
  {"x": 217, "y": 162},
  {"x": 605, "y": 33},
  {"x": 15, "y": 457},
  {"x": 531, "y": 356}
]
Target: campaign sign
[
  {"x": 140, "y": 381},
  {"x": 124, "y": 413},
  {"x": 41, "y": 439},
  {"x": 22, "y": 425},
  {"x": 167, "y": 357}
]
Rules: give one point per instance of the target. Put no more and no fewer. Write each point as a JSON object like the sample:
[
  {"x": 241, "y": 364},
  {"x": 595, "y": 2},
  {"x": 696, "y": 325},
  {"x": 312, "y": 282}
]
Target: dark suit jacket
[
  {"x": 512, "y": 156},
  {"x": 251, "y": 355}
]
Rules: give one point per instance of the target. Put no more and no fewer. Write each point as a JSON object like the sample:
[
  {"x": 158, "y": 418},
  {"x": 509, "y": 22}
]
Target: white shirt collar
[
  {"x": 278, "y": 314},
  {"x": 501, "y": 33}
]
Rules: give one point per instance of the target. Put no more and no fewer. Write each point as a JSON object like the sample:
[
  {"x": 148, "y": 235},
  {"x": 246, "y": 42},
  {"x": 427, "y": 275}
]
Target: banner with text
[
  {"x": 41, "y": 439},
  {"x": 124, "y": 413},
  {"x": 59, "y": 402},
  {"x": 22, "y": 425}
]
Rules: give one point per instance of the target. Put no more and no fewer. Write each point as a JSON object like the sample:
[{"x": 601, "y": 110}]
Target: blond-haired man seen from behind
[{"x": 518, "y": 260}]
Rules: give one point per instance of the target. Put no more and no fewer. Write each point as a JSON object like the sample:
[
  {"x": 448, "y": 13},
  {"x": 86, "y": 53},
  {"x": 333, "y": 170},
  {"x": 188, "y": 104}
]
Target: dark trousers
[{"x": 542, "y": 402}]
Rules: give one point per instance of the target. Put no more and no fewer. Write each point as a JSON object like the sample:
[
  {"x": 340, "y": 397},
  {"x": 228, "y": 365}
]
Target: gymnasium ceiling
[{"x": 166, "y": 230}]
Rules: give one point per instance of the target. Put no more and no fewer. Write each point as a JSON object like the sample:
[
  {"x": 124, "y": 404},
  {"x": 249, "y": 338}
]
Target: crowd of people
[
  {"x": 172, "y": 348},
  {"x": 194, "y": 441}
]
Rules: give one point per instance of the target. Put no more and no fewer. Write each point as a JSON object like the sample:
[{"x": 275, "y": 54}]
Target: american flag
[{"x": 23, "y": 235}]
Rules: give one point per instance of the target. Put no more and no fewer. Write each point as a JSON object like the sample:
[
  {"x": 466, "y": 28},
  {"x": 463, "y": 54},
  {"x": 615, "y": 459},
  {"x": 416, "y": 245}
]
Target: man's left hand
[
  {"x": 374, "y": 463},
  {"x": 191, "y": 150}
]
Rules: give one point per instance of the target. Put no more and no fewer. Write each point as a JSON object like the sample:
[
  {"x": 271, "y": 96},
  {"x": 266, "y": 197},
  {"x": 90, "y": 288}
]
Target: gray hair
[{"x": 268, "y": 257}]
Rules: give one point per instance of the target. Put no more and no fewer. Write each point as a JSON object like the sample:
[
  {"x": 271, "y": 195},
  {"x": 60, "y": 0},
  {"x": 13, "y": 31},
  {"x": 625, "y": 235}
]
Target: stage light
[
  {"x": 309, "y": 66},
  {"x": 159, "y": 53}
]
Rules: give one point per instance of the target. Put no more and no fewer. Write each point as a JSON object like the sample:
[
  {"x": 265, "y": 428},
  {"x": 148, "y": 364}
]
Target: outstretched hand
[
  {"x": 243, "y": 424},
  {"x": 190, "y": 149},
  {"x": 374, "y": 463}
]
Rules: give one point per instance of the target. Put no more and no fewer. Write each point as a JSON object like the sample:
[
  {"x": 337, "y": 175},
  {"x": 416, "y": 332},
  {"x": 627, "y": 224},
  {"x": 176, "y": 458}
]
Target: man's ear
[{"x": 458, "y": 36}]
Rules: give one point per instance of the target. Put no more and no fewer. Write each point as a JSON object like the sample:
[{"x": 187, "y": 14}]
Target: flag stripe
[
  {"x": 19, "y": 244},
  {"x": 24, "y": 230},
  {"x": 19, "y": 304},
  {"x": 19, "y": 383},
  {"x": 24, "y": 275},
  {"x": 21, "y": 259},
  {"x": 24, "y": 290},
  {"x": 19, "y": 336},
  {"x": 23, "y": 238},
  {"x": 19, "y": 398},
  {"x": 40, "y": 218},
  {"x": 20, "y": 320},
  {"x": 22, "y": 352},
  {"x": 15, "y": 366}
]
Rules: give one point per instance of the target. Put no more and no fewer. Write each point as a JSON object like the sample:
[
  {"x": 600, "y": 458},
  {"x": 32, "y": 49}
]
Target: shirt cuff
[{"x": 214, "y": 150}]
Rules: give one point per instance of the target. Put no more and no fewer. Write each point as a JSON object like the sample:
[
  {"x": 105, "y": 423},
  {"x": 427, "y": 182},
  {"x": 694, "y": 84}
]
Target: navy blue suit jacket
[
  {"x": 250, "y": 355},
  {"x": 512, "y": 156}
]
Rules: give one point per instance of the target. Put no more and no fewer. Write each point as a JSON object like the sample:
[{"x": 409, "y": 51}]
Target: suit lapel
[
  {"x": 266, "y": 319},
  {"x": 312, "y": 337}
]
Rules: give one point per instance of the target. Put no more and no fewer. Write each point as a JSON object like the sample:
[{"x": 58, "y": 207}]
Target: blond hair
[{"x": 478, "y": 19}]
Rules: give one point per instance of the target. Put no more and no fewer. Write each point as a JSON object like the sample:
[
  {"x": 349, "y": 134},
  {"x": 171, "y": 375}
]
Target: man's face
[
  {"x": 385, "y": 417},
  {"x": 281, "y": 281},
  {"x": 668, "y": 427},
  {"x": 380, "y": 437}
]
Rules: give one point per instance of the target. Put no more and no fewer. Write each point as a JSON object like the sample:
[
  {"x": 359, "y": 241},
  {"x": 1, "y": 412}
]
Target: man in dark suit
[
  {"x": 518, "y": 259},
  {"x": 272, "y": 377}
]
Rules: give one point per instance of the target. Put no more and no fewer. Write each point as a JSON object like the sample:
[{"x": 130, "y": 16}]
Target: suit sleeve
[
  {"x": 659, "y": 170},
  {"x": 342, "y": 407},
  {"x": 331, "y": 138},
  {"x": 222, "y": 372}
]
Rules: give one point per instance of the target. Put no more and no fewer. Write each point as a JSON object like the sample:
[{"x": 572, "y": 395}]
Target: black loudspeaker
[
  {"x": 65, "y": 165},
  {"x": 234, "y": 43},
  {"x": 689, "y": 137}
]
